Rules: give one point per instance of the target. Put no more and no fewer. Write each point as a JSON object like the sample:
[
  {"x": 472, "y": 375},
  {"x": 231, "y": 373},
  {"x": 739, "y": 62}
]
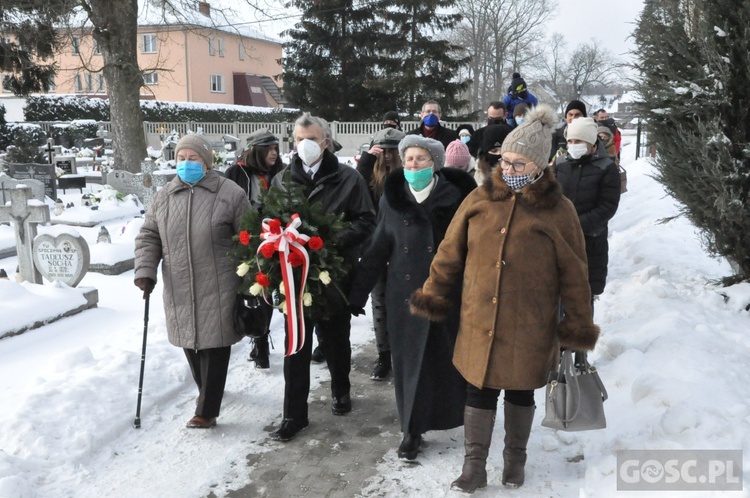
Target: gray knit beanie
[
  {"x": 435, "y": 148},
  {"x": 533, "y": 138},
  {"x": 199, "y": 145}
]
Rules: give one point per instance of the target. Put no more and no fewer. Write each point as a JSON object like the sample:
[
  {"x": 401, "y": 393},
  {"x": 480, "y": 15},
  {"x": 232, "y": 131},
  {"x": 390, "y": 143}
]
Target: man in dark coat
[
  {"x": 496, "y": 113},
  {"x": 592, "y": 181},
  {"x": 430, "y": 393},
  {"x": 430, "y": 126},
  {"x": 339, "y": 189}
]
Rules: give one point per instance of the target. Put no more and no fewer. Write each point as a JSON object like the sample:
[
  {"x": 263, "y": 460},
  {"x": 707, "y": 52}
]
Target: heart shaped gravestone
[{"x": 63, "y": 257}]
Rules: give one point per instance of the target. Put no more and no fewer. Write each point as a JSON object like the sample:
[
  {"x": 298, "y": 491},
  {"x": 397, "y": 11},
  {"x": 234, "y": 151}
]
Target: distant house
[{"x": 185, "y": 59}]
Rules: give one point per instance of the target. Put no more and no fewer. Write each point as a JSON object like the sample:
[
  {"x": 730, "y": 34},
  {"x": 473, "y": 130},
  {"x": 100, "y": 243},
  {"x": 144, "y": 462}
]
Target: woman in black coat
[
  {"x": 591, "y": 180},
  {"x": 417, "y": 206},
  {"x": 254, "y": 172},
  {"x": 374, "y": 166}
]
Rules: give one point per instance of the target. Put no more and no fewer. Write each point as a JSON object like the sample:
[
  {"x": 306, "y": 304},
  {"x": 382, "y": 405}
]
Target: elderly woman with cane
[
  {"x": 516, "y": 247},
  {"x": 189, "y": 228}
]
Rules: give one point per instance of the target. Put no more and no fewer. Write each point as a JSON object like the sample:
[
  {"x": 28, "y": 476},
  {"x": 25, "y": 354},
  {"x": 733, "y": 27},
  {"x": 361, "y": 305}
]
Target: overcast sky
[{"x": 609, "y": 22}]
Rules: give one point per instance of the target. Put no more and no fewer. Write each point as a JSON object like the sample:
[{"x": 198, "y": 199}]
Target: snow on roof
[{"x": 611, "y": 101}]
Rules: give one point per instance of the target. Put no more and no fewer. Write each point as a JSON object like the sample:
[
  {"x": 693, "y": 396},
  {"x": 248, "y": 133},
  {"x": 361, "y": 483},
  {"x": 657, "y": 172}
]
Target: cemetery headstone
[
  {"x": 7, "y": 184},
  {"x": 143, "y": 185},
  {"x": 64, "y": 257},
  {"x": 44, "y": 173},
  {"x": 67, "y": 164},
  {"x": 25, "y": 213}
]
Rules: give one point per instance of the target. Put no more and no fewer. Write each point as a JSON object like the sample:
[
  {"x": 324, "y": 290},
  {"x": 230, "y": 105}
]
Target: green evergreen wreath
[{"x": 260, "y": 267}]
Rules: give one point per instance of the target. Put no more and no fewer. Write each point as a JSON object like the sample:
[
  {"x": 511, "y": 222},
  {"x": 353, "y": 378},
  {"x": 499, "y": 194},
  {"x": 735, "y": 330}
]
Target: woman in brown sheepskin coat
[{"x": 517, "y": 247}]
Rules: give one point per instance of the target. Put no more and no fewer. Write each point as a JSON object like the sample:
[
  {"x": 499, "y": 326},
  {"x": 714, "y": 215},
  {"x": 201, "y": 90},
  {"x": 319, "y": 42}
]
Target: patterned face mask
[{"x": 517, "y": 182}]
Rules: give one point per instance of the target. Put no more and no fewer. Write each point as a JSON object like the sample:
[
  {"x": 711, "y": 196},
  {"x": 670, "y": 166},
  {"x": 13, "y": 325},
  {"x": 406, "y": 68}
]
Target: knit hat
[
  {"x": 261, "y": 137},
  {"x": 584, "y": 129},
  {"x": 388, "y": 138},
  {"x": 392, "y": 116},
  {"x": 576, "y": 104},
  {"x": 520, "y": 109},
  {"x": 517, "y": 84},
  {"x": 603, "y": 129},
  {"x": 457, "y": 155},
  {"x": 435, "y": 148},
  {"x": 494, "y": 136},
  {"x": 533, "y": 138},
  {"x": 199, "y": 144}
]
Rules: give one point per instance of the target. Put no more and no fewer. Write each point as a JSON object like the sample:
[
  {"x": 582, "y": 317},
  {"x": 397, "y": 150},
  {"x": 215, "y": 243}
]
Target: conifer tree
[
  {"x": 695, "y": 84},
  {"x": 428, "y": 64},
  {"x": 332, "y": 63}
]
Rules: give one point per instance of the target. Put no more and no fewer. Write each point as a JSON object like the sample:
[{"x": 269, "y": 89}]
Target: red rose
[
  {"x": 315, "y": 243},
  {"x": 244, "y": 237},
  {"x": 295, "y": 259},
  {"x": 267, "y": 250},
  {"x": 274, "y": 226},
  {"x": 262, "y": 279}
]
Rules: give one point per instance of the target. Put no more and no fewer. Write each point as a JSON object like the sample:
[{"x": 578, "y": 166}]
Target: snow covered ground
[{"x": 673, "y": 355}]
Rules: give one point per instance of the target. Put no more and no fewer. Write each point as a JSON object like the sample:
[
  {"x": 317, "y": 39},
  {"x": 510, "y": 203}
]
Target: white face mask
[
  {"x": 309, "y": 151},
  {"x": 577, "y": 151}
]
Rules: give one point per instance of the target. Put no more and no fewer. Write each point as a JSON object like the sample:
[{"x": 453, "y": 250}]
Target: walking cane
[{"x": 137, "y": 421}]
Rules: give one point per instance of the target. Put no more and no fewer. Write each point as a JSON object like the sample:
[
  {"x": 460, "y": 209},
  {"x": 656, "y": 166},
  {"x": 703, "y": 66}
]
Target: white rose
[
  {"x": 307, "y": 299},
  {"x": 243, "y": 269},
  {"x": 282, "y": 307},
  {"x": 256, "y": 289},
  {"x": 325, "y": 277},
  {"x": 281, "y": 289}
]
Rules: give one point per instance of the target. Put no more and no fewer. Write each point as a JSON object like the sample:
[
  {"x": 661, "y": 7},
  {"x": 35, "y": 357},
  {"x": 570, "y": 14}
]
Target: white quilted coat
[{"x": 190, "y": 229}]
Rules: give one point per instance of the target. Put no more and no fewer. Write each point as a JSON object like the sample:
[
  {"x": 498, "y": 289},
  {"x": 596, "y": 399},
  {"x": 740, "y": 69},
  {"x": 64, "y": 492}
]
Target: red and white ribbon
[{"x": 289, "y": 241}]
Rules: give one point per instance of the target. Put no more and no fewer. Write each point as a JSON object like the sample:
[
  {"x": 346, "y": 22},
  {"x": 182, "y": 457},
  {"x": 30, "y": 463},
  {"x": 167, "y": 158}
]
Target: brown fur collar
[{"x": 545, "y": 193}]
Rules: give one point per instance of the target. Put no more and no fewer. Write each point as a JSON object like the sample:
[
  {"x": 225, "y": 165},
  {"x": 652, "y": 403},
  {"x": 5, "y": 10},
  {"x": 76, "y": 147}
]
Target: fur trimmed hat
[
  {"x": 435, "y": 148},
  {"x": 584, "y": 129},
  {"x": 576, "y": 104},
  {"x": 200, "y": 145},
  {"x": 388, "y": 138},
  {"x": 457, "y": 155},
  {"x": 533, "y": 138}
]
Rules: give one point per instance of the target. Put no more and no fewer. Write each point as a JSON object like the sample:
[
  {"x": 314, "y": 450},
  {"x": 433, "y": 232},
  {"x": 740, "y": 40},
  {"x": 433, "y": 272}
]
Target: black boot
[
  {"x": 261, "y": 358},
  {"x": 254, "y": 351},
  {"x": 318, "y": 355},
  {"x": 409, "y": 446},
  {"x": 382, "y": 366}
]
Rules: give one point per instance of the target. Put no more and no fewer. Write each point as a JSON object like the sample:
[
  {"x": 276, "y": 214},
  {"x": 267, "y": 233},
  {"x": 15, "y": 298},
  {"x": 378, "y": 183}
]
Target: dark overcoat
[
  {"x": 592, "y": 183},
  {"x": 517, "y": 256},
  {"x": 430, "y": 393}
]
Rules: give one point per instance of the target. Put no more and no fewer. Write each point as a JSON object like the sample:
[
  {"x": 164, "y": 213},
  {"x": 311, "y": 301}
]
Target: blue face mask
[
  {"x": 431, "y": 120},
  {"x": 418, "y": 179},
  {"x": 520, "y": 120},
  {"x": 190, "y": 171},
  {"x": 465, "y": 139}
]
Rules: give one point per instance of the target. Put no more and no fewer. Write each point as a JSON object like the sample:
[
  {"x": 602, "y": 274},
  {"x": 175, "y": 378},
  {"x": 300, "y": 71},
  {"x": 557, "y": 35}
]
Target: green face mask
[{"x": 418, "y": 179}]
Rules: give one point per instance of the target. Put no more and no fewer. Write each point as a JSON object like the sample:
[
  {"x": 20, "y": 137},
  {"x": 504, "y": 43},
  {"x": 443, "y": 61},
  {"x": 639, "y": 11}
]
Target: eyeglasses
[{"x": 518, "y": 166}]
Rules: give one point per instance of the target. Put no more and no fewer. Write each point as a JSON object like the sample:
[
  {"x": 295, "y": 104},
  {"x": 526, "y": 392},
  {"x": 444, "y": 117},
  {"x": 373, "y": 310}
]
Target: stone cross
[{"x": 25, "y": 216}]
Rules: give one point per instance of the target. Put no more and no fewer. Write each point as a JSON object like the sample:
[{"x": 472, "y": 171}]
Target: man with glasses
[{"x": 430, "y": 127}]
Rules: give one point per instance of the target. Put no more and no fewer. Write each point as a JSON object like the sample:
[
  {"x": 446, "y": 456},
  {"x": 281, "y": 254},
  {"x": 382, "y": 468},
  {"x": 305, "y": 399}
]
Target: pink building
[{"x": 184, "y": 60}]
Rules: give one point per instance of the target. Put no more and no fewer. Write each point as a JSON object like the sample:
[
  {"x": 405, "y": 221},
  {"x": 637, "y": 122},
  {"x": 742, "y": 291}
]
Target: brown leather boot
[
  {"x": 478, "y": 425},
  {"x": 518, "y": 420}
]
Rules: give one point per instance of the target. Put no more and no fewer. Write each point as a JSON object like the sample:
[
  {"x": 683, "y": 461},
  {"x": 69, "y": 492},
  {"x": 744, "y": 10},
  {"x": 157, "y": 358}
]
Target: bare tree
[{"x": 501, "y": 36}]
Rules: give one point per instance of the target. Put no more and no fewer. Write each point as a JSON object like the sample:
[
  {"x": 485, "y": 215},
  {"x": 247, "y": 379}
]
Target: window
[
  {"x": 217, "y": 83},
  {"x": 221, "y": 47},
  {"x": 78, "y": 83},
  {"x": 89, "y": 82},
  {"x": 100, "y": 83},
  {"x": 242, "y": 51},
  {"x": 148, "y": 43},
  {"x": 52, "y": 85},
  {"x": 151, "y": 78},
  {"x": 256, "y": 89},
  {"x": 75, "y": 45},
  {"x": 211, "y": 46},
  {"x": 97, "y": 49}
]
